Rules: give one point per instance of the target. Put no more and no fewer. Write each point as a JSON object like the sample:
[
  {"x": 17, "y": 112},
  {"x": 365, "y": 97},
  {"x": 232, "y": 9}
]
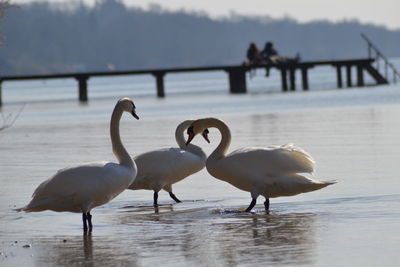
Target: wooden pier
[{"x": 236, "y": 75}]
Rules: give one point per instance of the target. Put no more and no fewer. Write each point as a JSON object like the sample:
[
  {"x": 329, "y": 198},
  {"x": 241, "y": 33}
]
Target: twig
[{"x": 8, "y": 121}]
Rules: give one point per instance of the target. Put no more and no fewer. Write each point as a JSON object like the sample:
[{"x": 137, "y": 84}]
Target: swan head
[
  {"x": 127, "y": 105},
  {"x": 196, "y": 128}
]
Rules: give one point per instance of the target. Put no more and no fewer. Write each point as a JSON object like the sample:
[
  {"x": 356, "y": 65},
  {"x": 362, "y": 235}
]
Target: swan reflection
[
  {"x": 86, "y": 250},
  {"x": 205, "y": 238},
  {"x": 287, "y": 238}
]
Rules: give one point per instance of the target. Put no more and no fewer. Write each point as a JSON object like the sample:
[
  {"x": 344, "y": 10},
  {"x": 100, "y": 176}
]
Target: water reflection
[
  {"x": 83, "y": 250},
  {"x": 204, "y": 238},
  {"x": 284, "y": 239},
  {"x": 146, "y": 211},
  {"x": 88, "y": 249}
]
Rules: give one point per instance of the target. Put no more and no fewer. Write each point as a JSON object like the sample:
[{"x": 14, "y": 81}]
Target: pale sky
[{"x": 382, "y": 12}]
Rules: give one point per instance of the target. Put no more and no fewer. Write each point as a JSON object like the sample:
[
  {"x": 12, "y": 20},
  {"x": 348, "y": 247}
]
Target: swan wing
[
  {"x": 274, "y": 160},
  {"x": 242, "y": 173},
  {"x": 165, "y": 166},
  {"x": 82, "y": 187}
]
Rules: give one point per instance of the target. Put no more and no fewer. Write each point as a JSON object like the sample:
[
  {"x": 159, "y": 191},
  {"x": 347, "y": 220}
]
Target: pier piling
[
  {"x": 304, "y": 78},
  {"x": 82, "y": 87},
  {"x": 360, "y": 76},
  {"x": 348, "y": 74},
  {"x": 284, "y": 79},
  {"x": 160, "y": 82},
  {"x": 292, "y": 75},
  {"x": 1, "y": 99},
  {"x": 237, "y": 80},
  {"x": 339, "y": 76}
]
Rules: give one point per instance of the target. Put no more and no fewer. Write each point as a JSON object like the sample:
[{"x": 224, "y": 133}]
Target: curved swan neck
[
  {"x": 179, "y": 133},
  {"x": 118, "y": 148},
  {"x": 223, "y": 146},
  {"x": 180, "y": 139}
]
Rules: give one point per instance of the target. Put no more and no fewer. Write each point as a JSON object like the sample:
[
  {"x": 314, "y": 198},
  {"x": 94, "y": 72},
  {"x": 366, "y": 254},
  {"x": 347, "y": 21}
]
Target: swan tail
[
  {"x": 37, "y": 205},
  {"x": 19, "y": 209},
  {"x": 27, "y": 209},
  {"x": 329, "y": 182},
  {"x": 294, "y": 185},
  {"x": 30, "y": 208},
  {"x": 316, "y": 185}
]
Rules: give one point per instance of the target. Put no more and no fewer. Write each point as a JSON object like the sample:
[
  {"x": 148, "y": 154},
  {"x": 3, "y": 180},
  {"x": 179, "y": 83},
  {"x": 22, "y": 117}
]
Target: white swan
[
  {"x": 81, "y": 188},
  {"x": 159, "y": 169},
  {"x": 270, "y": 172}
]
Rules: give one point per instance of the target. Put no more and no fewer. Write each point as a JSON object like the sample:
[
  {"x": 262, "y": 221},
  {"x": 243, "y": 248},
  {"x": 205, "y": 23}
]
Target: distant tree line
[
  {"x": 4, "y": 4},
  {"x": 46, "y": 38}
]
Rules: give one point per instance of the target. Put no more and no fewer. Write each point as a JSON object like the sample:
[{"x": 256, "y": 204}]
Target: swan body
[
  {"x": 84, "y": 187},
  {"x": 161, "y": 168},
  {"x": 271, "y": 171}
]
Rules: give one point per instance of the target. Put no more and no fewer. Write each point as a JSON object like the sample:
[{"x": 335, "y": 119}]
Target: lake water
[{"x": 353, "y": 134}]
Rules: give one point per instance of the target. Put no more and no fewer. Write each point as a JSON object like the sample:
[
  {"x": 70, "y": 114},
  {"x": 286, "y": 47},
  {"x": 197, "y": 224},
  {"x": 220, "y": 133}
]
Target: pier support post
[
  {"x": 284, "y": 79},
  {"x": 339, "y": 76},
  {"x": 304, "y": 78},
  {"x": 1, "y": 99},
  {"x": 360, "y": 76},
  {"x": 160, "y": 83},
  {"x": 348, "y": 74},
  {"x": 82, "y": 84},
  {"x": 292, "y": 75},
  {"x": 237, "y": 80}
]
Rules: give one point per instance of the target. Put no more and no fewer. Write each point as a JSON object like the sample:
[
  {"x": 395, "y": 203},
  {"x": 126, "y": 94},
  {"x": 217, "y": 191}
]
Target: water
[{"x": 352, "y": 133}]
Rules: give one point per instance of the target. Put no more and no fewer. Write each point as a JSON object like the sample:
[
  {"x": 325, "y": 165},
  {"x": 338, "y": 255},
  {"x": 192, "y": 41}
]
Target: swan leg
[
  {"x": 155, "y": 198},
  {"x": 252, "y": 204},
  {"x": 89, "y": 219},
  {"x": 266, "y": 204},
  {"x": 84, "y": 219},
  {"x": 174, "y": 197}
]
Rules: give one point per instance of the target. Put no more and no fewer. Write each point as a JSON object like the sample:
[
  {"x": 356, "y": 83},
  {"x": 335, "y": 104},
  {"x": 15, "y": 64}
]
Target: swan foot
[
  {"x": 155, "y": 199},
  {"x": 252, "y": 204},
  {"x": 266, "y": 204},
  {"x": 87, "y": 221},
  {"x": 174, "y": 197}
]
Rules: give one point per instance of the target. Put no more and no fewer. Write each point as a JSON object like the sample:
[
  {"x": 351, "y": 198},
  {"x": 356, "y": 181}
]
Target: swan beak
[
  {"x": 205, "y": 135},
  {"x": 190, "y": 138},
  {"x": 135, "y": 115}
]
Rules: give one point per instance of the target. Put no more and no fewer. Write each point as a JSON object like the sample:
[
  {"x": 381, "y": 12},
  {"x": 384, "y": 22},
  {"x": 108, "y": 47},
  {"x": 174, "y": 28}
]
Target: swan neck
[
  {"x": 118, "y": 148},
  {"x": 180, "y": 140},
  {"x": 223, "y": 146},
  {"x": 179, "y": 134}
]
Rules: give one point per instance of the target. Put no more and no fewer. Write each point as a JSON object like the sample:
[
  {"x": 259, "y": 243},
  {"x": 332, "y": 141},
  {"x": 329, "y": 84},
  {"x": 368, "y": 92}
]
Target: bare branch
[{"x": 9, "y": 120}]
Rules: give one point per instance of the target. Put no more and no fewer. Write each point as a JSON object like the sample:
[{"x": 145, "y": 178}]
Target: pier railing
[{"x": 374, "y": 52}]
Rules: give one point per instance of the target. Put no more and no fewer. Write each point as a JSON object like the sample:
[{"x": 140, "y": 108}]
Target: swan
[
  {"x": 86, "y": 186},
  {"x": 159, "y": 169},
  {"x": 271, "y": 171}
]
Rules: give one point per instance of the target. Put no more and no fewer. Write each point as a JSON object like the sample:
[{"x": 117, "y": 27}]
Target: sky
[{"x": 382, "y": 12}]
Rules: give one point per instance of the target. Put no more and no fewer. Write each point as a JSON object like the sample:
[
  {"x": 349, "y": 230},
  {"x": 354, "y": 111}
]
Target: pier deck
[{"x": 236, "y": 75}]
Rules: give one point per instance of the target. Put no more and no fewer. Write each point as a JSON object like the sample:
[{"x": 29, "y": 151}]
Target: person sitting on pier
[
  {"x": 254, "y": 55},
  {"x": 271, "y": 56}
]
